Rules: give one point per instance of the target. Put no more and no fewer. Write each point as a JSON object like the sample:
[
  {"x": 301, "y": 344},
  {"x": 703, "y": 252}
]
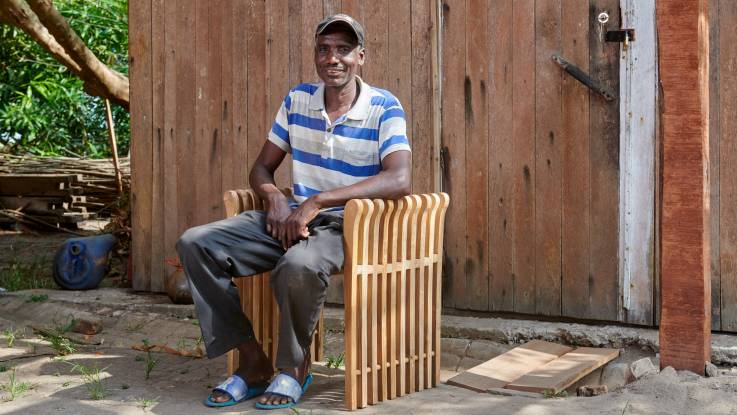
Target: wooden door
[{"x": 531, "y": 159}]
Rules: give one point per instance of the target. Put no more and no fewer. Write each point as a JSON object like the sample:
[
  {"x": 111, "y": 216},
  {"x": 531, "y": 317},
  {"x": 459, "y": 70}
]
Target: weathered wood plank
[
  {"x": 604, "y": 168},
  {"x": 476, "y": 115},
  {"x": 228, "y": 95},
  {"x": 158, "y": 175},
  {"x": 278, "y": 70},
  {"x": 509, "y": 366},
  {"x": 312, "y": 14},
  {"x": 523, "y": 133},
  {"x": 548, "y": 169},
  {"x": 575, "y": 161},
  {"x": 377, "y": 43},
  {"x": 714, "y": 162},
  {"x": 501, "y": 158},
  {"x": 564, "y": 371},
  {"x": 454, "y": 150},
  {"x": 258, "y": 121},
  {"x": 141, "y": 144},
  {"x": 727, "y": 114},
  {"x": 637, "y": 116},
  {"x": 171, "y": 130},
  {"x": 198, "y": 168},
  {"x": 214, "y": 130},
  {"x": 685, "y": 336}
]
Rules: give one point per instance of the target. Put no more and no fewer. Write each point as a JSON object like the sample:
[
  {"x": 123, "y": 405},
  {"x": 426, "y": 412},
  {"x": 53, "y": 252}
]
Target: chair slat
[
  {"x": 351, "y": 231},
  {"x": 384, "y": 333}
]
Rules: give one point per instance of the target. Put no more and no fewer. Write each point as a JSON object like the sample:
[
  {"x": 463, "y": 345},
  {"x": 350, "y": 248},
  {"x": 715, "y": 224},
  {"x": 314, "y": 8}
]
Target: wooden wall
[
  {"x": 531, "y": 159},
  {"x": 207, "y": 77},
  {"x": 723, "y": 162}
]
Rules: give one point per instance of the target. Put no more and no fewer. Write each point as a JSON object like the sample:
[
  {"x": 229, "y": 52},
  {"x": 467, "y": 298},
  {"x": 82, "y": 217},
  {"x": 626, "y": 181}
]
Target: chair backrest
[{"x": 241, "y": 200}]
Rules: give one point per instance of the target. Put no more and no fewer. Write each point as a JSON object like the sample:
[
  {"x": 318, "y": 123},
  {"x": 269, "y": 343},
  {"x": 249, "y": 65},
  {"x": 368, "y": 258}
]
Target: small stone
[
  {"x": 87, "y": 327},
  {"x": 643, "y": 367},
  {"x": 711, "y": 370},
  {"x": 592, "y": 390},
  {"x": 118, "y": 313},
  {"x": 616, "y": 375}
]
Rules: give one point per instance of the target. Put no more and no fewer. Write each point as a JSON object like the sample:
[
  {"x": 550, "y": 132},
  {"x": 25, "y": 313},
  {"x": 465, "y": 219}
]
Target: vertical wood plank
[
  {"x": 438, "y": 243},
  {"x": 331, "y": 7},
  {"x": 373, "y": 261},
  {"x": 420, "y": 99},
  {"x": 312, "y": 14},
  {"x": 476, "y": 114},
  {"x": 501, "y": 157},
  {"x": 453, "y": 141},
  {"x": 375, "y": 23},
  {"x": 227, "y": 94},
  {"x": 408, "y": 206},
  {"x": 604, "y": 168},
  {"x": 419, "y": 330},
  {"x": 185, "y": 112},
  {"x": 158, "y": 174},
  {"x": 385, "y": 335},
  {"x": 213, "y": 143},
  {"x": 198, "y": 169},
  {"x": 727, "y": 157},
  {"x": 257, "y": 79},
  {"x": 685, "y": 335},
  {"x": 714, "y": 162},
  {"x": 364, "y": 321},
  {"x": 394, "y": 304},
  {"x": 575, "y": 164},
  {"x": 169, "y": 136},
  {"x": 278, "y": 51},
  {"x": 399, "y": 67},
  {"x": 638, "y": 89},
  {"x": 548, "y": 169},
  {"x": 351, "y": 229},
  {"x": 240, "y": 165},
  {"x": 412, "y": 278},
  {"x": 523, "y": 132},
  {"x": 141, "y": 144}
]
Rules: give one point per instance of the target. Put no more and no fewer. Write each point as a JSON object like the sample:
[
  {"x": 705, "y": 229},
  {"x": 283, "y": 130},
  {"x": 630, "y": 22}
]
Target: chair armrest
[
  {"x": 391, "y": 231},
  {"x": 241, "y": 200}
]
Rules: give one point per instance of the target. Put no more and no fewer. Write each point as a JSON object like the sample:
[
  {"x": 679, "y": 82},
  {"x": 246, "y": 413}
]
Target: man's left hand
[{"x": 296, "y": 222}]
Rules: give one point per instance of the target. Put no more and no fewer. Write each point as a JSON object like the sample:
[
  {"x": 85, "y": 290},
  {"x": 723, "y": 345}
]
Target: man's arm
[
  {"x": 261, "y": 179},
  {"x": 393, "y": 181}
]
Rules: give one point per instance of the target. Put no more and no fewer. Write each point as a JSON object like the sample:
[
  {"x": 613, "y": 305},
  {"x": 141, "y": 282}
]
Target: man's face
[{"x": 337, "y": 58}]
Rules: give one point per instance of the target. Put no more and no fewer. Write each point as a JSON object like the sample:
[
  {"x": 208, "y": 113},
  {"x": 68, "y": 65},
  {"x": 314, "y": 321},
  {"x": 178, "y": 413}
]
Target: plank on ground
[
  {"x": 510, "y": 366},
  {"x": 564, "y": 371}
]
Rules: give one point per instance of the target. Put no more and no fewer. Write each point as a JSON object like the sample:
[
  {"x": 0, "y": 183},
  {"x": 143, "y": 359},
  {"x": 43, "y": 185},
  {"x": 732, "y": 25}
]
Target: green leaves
[{"x": 43, "y": 107}]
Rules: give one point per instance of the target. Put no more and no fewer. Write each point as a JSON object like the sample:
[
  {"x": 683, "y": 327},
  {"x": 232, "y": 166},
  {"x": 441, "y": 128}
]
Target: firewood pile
[{"x": 58, "y": 190}]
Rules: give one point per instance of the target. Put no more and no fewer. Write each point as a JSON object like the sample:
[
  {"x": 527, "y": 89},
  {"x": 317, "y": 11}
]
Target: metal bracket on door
[{"x": 584, "y": 78}]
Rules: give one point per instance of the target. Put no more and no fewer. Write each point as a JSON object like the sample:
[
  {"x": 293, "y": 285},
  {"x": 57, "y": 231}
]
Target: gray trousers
[{"x": 214, "y": 253}]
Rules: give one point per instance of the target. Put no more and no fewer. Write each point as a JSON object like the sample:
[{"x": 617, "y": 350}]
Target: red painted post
[{"x": 683, "y": 49}]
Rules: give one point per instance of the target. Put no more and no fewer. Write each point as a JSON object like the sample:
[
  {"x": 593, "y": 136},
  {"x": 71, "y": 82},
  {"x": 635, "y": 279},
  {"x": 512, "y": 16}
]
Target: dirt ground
[{"x": 178, "y": 384}]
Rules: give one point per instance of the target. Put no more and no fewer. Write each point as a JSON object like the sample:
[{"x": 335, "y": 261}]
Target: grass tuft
[
  {"x": 22, "y": 276},
  {"x": 145, "y": 404},
  {"x": 336, "y": 361},
  {"x": 14, "y": 387},
  {"x": 149, "y": 359},
  {"x": 10, "y": 336},
  {"x": 92, "y": 380}
]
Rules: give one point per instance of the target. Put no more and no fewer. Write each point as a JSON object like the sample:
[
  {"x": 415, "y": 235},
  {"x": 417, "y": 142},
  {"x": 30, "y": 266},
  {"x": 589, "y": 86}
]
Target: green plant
[
  {"x": 145, "y": 404},
  {"x": 92, "y": 380},
  {"x": 58, "y": 341},
  {"x": 37, "y": 298},
  {"x": 65, "y": 384},
  {"x": 62, "y": 344},
  {"x": 336, "y": 361},
  {"x": 14, "y": 387},
  {"x": 10, "y": 336},
  {"x": 149, "y": 359},
  {"x": 3, "y": 369},
  {"x": 43, "y": 107},
  {"x": 23, "y": 276}
]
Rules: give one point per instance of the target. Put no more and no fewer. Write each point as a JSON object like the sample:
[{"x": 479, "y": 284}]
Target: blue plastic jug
[{"x": 81, "y": 263}]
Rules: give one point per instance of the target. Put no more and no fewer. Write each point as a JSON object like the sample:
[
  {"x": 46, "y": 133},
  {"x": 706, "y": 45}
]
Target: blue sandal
[
  {"x": 287, "y": 387},
  {"x": 236, "y": 387}
]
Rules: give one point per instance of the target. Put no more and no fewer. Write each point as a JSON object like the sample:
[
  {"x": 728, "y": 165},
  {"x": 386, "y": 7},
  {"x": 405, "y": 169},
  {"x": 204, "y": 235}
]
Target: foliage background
[{"x": 43, "y": 108}]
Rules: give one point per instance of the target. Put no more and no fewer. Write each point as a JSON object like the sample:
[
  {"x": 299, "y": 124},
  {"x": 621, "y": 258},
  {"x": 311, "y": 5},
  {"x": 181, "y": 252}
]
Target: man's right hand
[{"x": 276, "y": 217}]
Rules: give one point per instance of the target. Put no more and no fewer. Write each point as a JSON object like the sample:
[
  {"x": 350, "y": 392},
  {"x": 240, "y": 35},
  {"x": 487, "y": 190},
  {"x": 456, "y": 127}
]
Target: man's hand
[
  {"x": 277, "y": 215},
  {"x": 295, "y": 226}
]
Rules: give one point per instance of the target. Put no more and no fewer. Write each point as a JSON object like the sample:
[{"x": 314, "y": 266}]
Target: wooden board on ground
[
  {"x": 564, "y": 371},
  {"x": 510, "y": 366}
]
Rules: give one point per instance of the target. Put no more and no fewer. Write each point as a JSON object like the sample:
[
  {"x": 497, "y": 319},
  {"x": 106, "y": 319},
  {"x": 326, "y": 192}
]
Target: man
[{"x": 347, "y": 140}]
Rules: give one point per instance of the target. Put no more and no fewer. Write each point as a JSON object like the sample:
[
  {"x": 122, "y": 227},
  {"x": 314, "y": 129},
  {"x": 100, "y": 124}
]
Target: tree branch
[{"x": 114, "y": 84}]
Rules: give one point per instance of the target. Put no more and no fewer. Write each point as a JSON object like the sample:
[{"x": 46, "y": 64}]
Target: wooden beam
[{"x": 683, "y": 40}]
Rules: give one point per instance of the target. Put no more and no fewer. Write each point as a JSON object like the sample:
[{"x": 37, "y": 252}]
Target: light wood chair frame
[{"x": 392, "y": 280}]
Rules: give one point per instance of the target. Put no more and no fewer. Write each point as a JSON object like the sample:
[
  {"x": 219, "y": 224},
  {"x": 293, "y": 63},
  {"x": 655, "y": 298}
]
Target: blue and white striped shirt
[{"x": 327, "y": 155}]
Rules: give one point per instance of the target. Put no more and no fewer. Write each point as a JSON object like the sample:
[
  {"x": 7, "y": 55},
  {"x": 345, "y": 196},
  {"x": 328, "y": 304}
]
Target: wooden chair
[{"x": 392, "y": 295}]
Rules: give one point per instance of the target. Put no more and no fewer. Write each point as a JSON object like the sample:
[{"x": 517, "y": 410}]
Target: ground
[{"x": 178, "y": 384}]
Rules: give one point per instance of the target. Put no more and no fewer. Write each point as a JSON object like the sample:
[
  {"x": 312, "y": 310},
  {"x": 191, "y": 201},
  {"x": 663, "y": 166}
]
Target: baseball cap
[{"x": 344, "y": 19}]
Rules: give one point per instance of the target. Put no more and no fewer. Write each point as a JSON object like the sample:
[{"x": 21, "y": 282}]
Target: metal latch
[{"x": 620, "y": 35}]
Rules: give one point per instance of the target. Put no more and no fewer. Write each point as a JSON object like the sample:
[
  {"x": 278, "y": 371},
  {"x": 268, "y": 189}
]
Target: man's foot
[
  {"x": 257, "y": 369},
  {"x": 299, "y": 373}
]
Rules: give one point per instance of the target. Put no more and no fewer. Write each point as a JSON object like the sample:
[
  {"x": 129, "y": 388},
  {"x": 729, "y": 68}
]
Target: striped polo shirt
[{"x": 327, "y": 155}]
